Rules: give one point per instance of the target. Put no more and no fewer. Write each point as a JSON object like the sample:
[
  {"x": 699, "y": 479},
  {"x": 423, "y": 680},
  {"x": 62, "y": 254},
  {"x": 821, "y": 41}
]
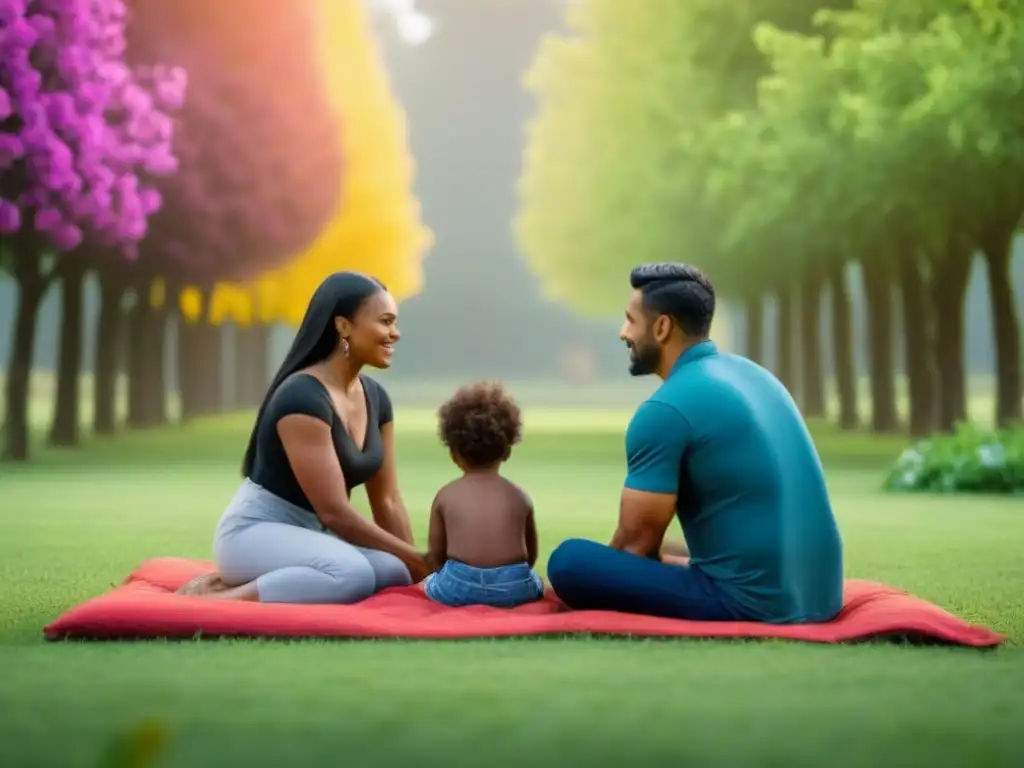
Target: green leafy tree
[
  {"x": 771, "y": 193},
  {"x": 783, "y": 155},
  {"x": 615, "y": 168},
  {"x": 935, "y": 118},
  {"x": 612, "y": 175},
  {"x": 976, "y": 71}
]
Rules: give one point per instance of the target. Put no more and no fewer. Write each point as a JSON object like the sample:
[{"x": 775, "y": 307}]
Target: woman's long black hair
[{"x": 340, "y": 295}]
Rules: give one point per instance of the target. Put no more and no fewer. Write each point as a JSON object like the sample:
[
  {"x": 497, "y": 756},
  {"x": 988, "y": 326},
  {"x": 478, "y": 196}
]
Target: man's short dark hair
[{"x": 680, "y": 291}]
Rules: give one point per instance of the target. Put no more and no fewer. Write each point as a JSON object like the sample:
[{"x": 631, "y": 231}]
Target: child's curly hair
[{"x": 480, "y": 424}]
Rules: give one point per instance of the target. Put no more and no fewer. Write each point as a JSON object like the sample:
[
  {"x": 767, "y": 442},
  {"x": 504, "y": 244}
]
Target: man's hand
[
  {"x": 643, "y": 519},
  {"x": 674, "y": 551}
]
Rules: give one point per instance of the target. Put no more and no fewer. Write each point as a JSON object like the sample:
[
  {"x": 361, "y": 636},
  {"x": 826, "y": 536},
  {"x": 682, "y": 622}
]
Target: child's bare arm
[
  {"x": 531, "y": 535},
  {"x": 437, "y": 538}
]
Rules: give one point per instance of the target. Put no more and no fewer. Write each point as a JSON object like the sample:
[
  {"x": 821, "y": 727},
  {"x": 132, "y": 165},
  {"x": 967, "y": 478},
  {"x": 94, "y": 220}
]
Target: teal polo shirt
[{"x": 726, "y": 438}]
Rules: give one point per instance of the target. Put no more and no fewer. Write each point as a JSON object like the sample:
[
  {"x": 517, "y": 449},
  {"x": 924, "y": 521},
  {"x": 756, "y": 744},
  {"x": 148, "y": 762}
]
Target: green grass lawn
[{"x": 74, "y": 523}]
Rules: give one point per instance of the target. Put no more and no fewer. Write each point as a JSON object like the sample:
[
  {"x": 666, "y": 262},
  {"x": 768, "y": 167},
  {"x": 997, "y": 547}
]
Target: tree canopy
[
  {"x": 78, "y": 126},
  {"x": 259, "y": 159},
  {"x": 772, "y": 144},
  {"x": 376, "y": 226}
]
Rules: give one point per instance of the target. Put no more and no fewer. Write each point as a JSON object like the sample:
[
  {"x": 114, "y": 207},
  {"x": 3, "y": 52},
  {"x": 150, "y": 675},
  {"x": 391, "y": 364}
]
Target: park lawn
[{"x": 74, "y": 523}]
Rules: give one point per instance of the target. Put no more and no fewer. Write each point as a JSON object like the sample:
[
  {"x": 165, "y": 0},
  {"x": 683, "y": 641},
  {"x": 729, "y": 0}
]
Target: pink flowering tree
[
  {"x": 140, "y": 119},
  {"x": 260, "y": 163},
  {"x": 76, "y": 128}
]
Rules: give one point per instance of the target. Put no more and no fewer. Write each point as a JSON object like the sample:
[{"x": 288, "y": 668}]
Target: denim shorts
[{"x": 505, "y": 586}]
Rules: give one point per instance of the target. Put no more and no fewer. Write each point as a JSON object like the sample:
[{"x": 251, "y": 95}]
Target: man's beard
[{"x": 644, "y": 358}]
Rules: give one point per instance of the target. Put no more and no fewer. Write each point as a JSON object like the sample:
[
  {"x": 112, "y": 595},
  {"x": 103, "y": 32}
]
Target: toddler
[{"x": 482, "y": 526}]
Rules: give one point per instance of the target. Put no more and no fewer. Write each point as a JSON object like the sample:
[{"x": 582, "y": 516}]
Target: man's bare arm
[{"x": 643, "y": 519}]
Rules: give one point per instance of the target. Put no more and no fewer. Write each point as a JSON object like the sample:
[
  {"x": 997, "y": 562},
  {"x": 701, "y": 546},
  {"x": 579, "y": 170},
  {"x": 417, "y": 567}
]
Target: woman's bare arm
[
  {"x": 386, "y": 501},
  {"x": 310, "y": 449}
]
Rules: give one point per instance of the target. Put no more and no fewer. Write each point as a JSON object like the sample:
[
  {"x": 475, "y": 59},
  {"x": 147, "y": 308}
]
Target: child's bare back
[
  {"x": 483, "y": 538},
  {"x": 488, "y": 521}
]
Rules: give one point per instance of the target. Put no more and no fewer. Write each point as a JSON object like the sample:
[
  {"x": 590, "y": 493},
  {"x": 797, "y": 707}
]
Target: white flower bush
[{"x": 971, "y": 460}]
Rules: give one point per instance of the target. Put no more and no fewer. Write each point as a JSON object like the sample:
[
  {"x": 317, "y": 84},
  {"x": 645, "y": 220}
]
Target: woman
[{"x": 291, "y": 534}]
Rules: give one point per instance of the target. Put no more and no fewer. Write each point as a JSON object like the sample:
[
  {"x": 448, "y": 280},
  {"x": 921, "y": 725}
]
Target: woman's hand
[
  {"x": 434, "y": 561},
  {"x": 419, "y": 567}
]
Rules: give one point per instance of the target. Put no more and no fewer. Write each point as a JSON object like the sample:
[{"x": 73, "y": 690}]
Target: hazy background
[{"x": 481, "y": 312}]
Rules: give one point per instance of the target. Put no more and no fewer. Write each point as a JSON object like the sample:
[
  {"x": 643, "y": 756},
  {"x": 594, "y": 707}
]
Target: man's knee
[{"x": 569, "y": 560}]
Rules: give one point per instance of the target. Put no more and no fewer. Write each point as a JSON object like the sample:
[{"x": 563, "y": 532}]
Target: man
[{"x": 722, "y": 446}]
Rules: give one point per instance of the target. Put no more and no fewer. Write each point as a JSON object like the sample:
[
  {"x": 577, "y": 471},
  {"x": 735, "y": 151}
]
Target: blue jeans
[
  {"x": 590, "y": 576},
  {"x": 506, "y": 586}
]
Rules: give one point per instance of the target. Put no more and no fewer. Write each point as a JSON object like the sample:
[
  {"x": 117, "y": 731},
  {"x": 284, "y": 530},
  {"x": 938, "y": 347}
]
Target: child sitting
[{"x": 481, "y": 525}]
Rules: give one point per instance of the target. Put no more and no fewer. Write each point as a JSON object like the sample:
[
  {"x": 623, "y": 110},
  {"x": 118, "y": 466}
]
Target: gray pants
[{"x": 293, "y": 560}]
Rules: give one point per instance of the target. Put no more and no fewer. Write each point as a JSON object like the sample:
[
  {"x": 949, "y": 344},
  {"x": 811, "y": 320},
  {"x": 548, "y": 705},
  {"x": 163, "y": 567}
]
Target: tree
[
  {"x": 63, "y": 165},
  {"x": 624, "y": 104},
  {"x": 140, "y": 119},
  {"x": 976, "y": 67},
  {"x": 766, "y": 194},
  {"x": 259, "y": 163},
  {"x": 376, "y": 226},
  {"x": 843, "y": 156},
  {"x": 855, "y": 138},
  {"x": 930, "y": 98}
]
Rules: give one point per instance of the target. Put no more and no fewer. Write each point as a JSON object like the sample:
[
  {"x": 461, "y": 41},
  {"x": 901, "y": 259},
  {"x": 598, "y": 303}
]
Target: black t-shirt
[{"x": 304, "y": 393}]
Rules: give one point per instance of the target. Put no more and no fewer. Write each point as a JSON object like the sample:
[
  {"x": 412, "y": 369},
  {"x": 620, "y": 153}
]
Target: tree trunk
[
  {"x": 109, "y": 340},
  {"x": 64, "y": 429},
  {"x": 154, "y": 405},
  {"x": 187, "y": 369},
  {"x": 949, "y": 292},
  {"x": 32, "y": 284},
  {"x": 1006, "y": 329},
  {"x": 754, "y": 315},
  {"x": 251, "y": 360},
  {"x": 811, "y": 367},
  {"x": 786, "y": 370},
  {"x": 918, "y": 346},
  {"x": 147, "y": 331},
  {"x": 138, "y": 357},
  {"x": 842, "y": 349},
  {"x": 200, "y": 375},
  {"x": 211, "y": 396},
  {"x": 881, "y": 370}
]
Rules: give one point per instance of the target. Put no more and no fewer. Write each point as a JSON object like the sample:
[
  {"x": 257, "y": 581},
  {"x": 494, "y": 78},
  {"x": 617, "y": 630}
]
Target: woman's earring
[{"x": 344, "y": 347}]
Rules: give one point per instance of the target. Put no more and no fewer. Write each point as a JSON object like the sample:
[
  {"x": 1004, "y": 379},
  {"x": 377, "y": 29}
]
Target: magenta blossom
[{"x": 77, "y": 126}]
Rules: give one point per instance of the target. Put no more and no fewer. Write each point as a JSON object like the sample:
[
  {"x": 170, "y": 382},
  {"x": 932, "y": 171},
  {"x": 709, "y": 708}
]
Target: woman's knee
[
  {"x": 391, "y": 573},
  {"x": 354, "y": 579},
  {"x": 388, "y": 570}
]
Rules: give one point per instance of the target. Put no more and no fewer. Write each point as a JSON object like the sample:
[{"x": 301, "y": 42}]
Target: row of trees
[
  {"x": 785, "y": 146},
  {"x": 256, "y": 150}
]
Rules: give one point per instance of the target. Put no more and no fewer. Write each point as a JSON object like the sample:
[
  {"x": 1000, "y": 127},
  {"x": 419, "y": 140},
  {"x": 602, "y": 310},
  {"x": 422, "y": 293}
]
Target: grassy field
[
  {"x": 617, "y": 393},
  {"x": 74, "y": 523}
]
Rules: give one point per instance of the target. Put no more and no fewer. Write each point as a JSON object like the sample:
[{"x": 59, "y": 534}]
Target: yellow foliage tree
[{"x": 377, "y": 229}]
